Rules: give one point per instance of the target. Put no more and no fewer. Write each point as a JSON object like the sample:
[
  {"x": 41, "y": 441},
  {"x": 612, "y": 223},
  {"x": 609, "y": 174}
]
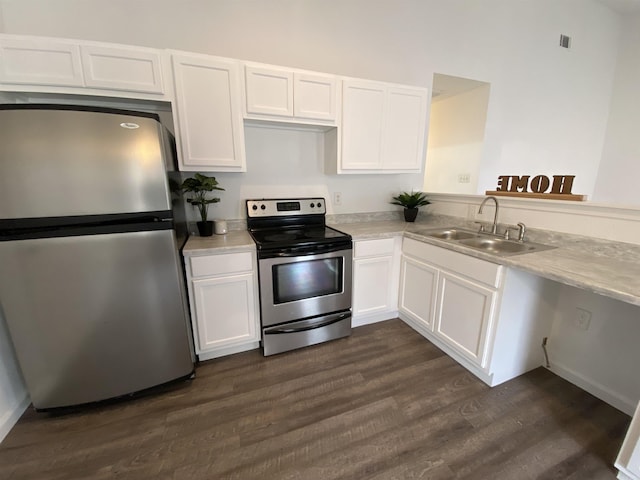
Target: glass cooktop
[{"x": 290, "y": 236}]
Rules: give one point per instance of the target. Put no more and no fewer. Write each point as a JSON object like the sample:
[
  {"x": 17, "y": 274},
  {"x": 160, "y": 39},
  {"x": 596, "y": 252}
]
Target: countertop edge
[{"x": 551, "y": 269}]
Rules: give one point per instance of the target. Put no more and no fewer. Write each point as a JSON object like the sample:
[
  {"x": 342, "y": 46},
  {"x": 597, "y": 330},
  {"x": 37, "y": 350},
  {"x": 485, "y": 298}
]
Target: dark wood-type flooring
[{"x": 382, "y": 404}]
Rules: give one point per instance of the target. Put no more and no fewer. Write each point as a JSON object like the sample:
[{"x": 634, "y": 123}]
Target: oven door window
[{"x": 307, "y": 279}]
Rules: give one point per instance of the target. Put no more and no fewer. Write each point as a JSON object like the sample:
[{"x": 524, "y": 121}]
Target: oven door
[{"x": 303, "y": 286}]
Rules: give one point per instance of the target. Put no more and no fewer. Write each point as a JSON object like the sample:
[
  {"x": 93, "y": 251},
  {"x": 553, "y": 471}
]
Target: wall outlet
[
  {"x": 582, "y": 319},
  {"x": 337, "y": 198},
  {"x": 464, "y": 178}
]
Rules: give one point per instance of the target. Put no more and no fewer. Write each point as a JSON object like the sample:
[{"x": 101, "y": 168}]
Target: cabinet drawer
[
  {"x": 479, "y": 270},
  {"x": 369, "y": 248},
  {"x": 221, "y": 264}
]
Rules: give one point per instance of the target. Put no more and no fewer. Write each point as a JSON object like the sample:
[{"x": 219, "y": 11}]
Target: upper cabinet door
[
  {"x": 208, "y": 113},
  {"x": 269, "y": 91},
  {"x": 363, "y": 106},
  {"x": 292, "y": 96},
  {"x": 122, "y": 68},
  {"x": 383, "y": 127},
  {"x": 314, "y": 96},
  {"x": 405, "y": 129},
  {"x": 40, "y": 61}
]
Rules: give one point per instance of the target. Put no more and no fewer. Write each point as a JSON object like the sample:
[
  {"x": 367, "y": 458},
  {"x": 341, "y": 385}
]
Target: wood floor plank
[{"x": 382, "y": 404}]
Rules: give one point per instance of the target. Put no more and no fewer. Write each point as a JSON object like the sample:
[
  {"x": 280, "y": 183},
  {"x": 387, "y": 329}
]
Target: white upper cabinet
[
  {"x": 315, "y": 96},
  {"x": 122, "y": 68},
  {"x": 40, "y": 61},
  {"x": 208, "y": 113},
  {"x": 362, "y": 124},
  {"x": 383, "y": 128},
  {"x": 269, "y": 91},
  {"x": 289, "y": 95},
  {"x": 403, "y": 142},
  {"x": 51, "y": 65}
]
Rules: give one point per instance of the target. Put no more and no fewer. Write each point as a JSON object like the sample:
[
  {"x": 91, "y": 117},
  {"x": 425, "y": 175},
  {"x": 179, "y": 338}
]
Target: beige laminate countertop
[
  {"x": 233, "y": 241},
  {"x": 599, "y": 271},
  {"x": 616, "y": 276}
]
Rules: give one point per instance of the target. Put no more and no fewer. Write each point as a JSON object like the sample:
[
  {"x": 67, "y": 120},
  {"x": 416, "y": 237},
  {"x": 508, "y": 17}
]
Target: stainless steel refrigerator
[{"x": 91, "y": 282}]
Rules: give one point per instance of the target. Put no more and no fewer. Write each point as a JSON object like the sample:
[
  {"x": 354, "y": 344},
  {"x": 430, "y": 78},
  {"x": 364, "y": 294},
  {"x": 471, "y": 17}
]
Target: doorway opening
[{"x": 456, "y": 134}]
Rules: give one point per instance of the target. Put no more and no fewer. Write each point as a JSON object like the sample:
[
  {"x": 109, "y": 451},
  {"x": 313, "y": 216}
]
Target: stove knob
[
  {"x": 319, "y": 204},
  {"x": 312, "y": 205},
  {"x": 255, "y": 207},
  {"x": 262, "y": 207}
]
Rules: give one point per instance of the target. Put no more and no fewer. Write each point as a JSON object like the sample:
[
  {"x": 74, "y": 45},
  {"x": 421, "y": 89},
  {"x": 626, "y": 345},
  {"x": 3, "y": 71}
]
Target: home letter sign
[{"x": 539, "y": 186}]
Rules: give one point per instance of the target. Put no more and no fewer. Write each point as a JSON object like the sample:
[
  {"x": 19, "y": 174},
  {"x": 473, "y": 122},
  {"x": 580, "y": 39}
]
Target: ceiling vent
[{"x": 565, "y": 41}]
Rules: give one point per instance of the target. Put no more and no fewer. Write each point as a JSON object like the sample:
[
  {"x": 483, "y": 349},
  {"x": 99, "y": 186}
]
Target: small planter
[
  {"x": 410, "y": 214},
  {"x": 205, "y": 228},
  {"x": 411, "y": 202}
]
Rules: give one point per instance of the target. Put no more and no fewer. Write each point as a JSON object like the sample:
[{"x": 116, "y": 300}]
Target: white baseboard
[
  {"x": 362, "y": 320},
  {"x": 596, "y": 389},
  {"x": 10, "y": 418},
  {"x": 625, "y": 475},
  {"x": 222, "y": 352}
]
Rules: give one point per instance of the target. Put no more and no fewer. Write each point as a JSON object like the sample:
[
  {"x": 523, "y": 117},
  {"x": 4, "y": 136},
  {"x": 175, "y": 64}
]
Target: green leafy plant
[
  {"x": 411, "y": 200},
  {"x": 199, "y": 186}
]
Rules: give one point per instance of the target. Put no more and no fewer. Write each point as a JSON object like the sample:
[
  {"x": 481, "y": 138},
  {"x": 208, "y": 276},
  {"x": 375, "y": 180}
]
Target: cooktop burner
[
  {"x": 273, "y": 237},
  {"x": 286, "y": 223}
]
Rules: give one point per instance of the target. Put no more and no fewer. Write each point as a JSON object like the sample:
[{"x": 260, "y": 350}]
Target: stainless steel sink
[
  {"x": 450, "y": 234},
  {"x": 498, "y": 246},
  {"x": 484, "y": 242}
]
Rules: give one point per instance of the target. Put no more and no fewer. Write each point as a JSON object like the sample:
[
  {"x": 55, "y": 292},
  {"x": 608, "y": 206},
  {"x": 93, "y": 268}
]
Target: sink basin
[
  {"x": 450, "y": 234},
  {"x": 484, "y": 242},
  {"x": 498, "y": 246}
]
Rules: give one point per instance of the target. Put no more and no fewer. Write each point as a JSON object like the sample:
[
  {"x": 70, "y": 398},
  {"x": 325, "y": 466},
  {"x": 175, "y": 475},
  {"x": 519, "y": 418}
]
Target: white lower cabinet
[
  {"x": 628, "y": 461},
  {"x": 464, "y": 314},
  {"x": 418, "y": 287},
  {"x": 223, "y": 296},
  {"x": 489, "y": 318},
  {"x": 375, "y": 280}
]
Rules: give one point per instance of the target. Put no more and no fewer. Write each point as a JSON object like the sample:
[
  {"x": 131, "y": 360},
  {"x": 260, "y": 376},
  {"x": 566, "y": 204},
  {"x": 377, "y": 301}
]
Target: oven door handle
[
  {"x": 306, "y": 250},
  {"x": 310, "y": 326}
]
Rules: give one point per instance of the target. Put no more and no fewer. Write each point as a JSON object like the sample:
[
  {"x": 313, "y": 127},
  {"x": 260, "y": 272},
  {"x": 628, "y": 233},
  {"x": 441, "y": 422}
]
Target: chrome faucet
[{"x": 494, "y": 227}]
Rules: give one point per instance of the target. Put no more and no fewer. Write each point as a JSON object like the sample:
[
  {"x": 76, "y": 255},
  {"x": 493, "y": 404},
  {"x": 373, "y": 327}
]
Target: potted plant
[
  {"x": 199, "y": 186},
  {"x": 411, "y": 202}
]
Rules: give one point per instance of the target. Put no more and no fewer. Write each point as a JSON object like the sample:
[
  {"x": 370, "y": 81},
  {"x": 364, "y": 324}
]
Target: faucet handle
[
  {"x": 522, "y": 230},
  {"x": 521, "y": 227},
  {"x": 481, "y": 230},
  {"x": 507, "y": 231}
]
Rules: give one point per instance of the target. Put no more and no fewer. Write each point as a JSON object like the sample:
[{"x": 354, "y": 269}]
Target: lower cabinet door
[
  {"x": 225, "y": 311},
  {"x": 464, "y": 313},
  {"x": 418, "y": 286},
  {"x": 371, "y": 285}
]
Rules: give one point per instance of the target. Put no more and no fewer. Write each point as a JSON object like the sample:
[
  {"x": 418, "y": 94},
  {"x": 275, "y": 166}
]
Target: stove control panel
[{"x": 285, "y": 207}]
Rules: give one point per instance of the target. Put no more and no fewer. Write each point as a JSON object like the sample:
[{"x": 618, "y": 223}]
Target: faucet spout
[{"x": 494, "y": 227}]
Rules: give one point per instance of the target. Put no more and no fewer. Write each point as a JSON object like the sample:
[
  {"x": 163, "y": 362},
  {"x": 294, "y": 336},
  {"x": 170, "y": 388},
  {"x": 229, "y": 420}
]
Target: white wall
[
  {"x": 620, "y": 168},
  {"x": 283, "y": 162},
  {"x": 604, "y": 358},
  {"x": 548, "y": 106},
  {"x": 456, "y": 141}
]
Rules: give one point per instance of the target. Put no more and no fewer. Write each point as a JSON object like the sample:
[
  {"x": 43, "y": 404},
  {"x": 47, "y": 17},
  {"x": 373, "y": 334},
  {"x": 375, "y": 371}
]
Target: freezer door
[
  {"x": 57, "y": 163},
  {"x": 95, "y": 317}
]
